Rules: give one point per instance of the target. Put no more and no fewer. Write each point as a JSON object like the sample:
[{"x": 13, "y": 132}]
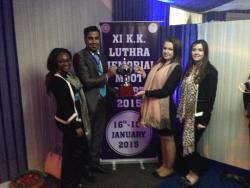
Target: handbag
[{"x": 53, "y": 163}]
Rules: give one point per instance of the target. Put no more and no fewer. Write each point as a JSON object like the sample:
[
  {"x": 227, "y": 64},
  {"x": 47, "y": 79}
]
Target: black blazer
[
  {"x": 85, "y": 69},
  {"x": 206, "y": 95}
]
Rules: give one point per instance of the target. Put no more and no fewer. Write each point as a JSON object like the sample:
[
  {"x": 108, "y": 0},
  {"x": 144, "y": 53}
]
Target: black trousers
[
  {"x": 193, "y": 161},
  {"x": 75, "y": 155},
  {"x": 98, "y": 120}
]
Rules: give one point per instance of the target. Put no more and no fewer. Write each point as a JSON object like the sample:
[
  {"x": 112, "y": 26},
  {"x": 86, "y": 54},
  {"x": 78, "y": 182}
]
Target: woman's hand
[
  {"x": 79, "y": 132},
  {"x": 139, "y": 70},
  {"x": 200, "y": 126},
  {"x": 140, "y": 93}
]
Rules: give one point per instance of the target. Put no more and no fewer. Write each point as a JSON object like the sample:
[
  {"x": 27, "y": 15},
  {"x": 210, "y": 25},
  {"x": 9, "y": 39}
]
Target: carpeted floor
[
  {"x": 125, "y": 176},
  {"x": 132, "y": 176},
  {"x": 213, "y": 177},
  {"x": 210, "y": 180}
]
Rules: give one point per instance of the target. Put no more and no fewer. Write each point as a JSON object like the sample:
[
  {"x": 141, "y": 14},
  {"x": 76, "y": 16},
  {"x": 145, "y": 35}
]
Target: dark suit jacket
[
  {"x": 206, "y": 95},
  {"x": 85, "y": 68}
]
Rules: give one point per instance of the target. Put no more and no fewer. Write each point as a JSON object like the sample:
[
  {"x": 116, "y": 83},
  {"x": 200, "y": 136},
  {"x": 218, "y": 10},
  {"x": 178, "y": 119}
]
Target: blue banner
[{"x": 130, "y": 44}]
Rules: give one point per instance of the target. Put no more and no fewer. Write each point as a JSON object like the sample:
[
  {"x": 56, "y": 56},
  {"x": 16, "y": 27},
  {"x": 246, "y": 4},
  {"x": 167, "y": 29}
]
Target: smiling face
[
  {"x": 92, "y": 41},
  {"x": 168, "y": 51},
  {"x": 63, "y": 63},
  {"x": 197, "y": 52}
]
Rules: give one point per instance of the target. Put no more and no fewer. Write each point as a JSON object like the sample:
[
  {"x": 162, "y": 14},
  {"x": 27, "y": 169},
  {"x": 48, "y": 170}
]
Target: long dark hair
[
  {"x": 52, "y": 65},
  {"x": 177, "y": 48},
  {"x": 204, "y": 63}
]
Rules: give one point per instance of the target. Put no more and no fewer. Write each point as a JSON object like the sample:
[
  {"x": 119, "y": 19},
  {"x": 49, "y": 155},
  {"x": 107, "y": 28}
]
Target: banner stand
[
  {"x": 126, "y": 46},
  {"x": 141, "y": 161}
]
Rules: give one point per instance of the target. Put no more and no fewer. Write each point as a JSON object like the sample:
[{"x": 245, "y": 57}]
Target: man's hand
[{"x": 111, "y": 72}]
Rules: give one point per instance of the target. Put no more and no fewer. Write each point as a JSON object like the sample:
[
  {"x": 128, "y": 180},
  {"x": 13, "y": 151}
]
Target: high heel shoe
[
  {"x": 186, "y": 183},
  {"x": 156, "y": 174}
]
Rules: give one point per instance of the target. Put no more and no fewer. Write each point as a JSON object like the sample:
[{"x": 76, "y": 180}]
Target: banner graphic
[{"x": 127, "y": 45}]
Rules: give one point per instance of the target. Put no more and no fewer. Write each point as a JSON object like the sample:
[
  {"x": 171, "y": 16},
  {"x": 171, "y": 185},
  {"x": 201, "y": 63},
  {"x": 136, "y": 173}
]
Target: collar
[{"x": 95, "y": 53}]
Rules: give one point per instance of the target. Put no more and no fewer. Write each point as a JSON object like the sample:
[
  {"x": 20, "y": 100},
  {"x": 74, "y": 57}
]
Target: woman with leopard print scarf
[{"x": 198, "y": 93}]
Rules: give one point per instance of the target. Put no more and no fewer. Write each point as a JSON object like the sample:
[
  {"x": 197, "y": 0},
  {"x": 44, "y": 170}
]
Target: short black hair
[{"x": 90, "y": 29}]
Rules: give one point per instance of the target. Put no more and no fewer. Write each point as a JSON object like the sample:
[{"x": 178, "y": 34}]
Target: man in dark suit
[{"x": 92, "y": 69}]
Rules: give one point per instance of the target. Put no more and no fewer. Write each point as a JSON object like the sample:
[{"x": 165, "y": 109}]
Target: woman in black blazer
[
  {"x": 71, "y": 118},
  {"x": 198, "y": 93}
]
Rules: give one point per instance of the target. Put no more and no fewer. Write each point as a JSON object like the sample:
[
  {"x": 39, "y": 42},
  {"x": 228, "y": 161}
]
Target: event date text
[{"x": 129, "y": 103}]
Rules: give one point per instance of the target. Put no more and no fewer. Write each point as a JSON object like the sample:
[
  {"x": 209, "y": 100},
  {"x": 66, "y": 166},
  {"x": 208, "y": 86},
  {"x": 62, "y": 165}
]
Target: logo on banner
[
  {"x": 105, "y": 28},
  {"x": 153, "y": 28},
  {"x": 124, "y": 136}
]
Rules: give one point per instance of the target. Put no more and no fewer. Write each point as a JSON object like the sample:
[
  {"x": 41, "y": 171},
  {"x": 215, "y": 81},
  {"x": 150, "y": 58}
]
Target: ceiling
[{"x": 212, "y": 5}]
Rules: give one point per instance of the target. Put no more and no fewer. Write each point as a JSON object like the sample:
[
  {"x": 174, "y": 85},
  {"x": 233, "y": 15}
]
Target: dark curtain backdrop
[
  {"x": 12, "y": 142},
  {"x": 140, "y": 10}
]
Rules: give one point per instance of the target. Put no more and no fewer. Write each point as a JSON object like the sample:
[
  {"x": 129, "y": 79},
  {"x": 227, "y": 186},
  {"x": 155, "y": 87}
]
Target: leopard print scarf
[{"x": 187, "y": 109}]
